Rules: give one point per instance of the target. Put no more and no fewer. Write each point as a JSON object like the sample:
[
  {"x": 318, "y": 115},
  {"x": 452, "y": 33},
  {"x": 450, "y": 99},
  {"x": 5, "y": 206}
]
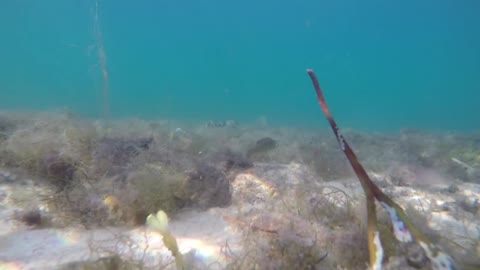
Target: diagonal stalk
[{"x": 404, "y": 230}]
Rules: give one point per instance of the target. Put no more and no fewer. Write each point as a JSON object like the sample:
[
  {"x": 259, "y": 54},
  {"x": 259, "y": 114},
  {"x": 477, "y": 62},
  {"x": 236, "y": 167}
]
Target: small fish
[{"x": 263, "y": 145}]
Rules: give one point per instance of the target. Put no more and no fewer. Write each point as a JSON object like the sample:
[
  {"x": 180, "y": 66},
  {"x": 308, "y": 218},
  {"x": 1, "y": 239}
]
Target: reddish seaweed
[{"x": 404, "y": 230}]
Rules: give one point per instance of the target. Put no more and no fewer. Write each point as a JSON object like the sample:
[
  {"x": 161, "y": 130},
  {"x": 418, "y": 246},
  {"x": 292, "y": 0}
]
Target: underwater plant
[
  {"x": 404, "y": 230},
  {"x": 159, "y": 222}
]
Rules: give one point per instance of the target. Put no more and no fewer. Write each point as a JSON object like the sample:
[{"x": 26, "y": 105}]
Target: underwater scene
[{"x": 239, "y": 135}]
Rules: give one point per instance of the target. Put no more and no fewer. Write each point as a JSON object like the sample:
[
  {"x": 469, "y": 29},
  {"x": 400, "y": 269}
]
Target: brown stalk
[{"x": 403, "y": 228}]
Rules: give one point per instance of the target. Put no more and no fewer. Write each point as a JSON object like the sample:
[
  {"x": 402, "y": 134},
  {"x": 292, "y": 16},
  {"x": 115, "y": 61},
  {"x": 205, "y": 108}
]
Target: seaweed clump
[
  {"x": 274, "y": 241},
  {"x": 54, "y": 148},
  {"x": 114, "y": 262}
]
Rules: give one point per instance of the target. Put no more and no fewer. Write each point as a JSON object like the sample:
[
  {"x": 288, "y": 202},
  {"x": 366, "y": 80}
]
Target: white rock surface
[{"x": 201, "y": 234}]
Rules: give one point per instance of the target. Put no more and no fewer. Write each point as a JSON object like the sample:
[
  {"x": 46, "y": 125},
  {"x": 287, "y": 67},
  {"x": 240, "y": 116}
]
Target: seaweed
[
  {"x": 404, "y": 230},
  {"x": 159, "y": 222},
  {"x": 277, "y": 241}
]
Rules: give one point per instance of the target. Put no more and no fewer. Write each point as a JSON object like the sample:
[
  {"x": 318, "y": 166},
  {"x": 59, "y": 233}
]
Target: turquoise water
[{"x": 384, "y": 65}]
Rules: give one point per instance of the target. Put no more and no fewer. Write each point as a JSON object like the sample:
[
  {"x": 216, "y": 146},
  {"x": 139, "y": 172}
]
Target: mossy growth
[
  {"x": 279, "y": 251},
  {"x": 120, "y": 200},
  {"x": 348, "y": 247},
  {"x": 56, "y": 151},
  {"x": 337, "y": 218},
  {"x": 80, "y": 143},
  {"x": 108, "y": 263},
  {"x": 324, "y": 204}
]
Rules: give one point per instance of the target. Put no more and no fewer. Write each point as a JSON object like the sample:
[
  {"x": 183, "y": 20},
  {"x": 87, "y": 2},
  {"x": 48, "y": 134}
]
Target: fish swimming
[{"x": 261, "y": 146}]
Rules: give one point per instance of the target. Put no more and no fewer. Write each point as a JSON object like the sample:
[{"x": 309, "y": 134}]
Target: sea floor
[{"x": 75, "y": 194}]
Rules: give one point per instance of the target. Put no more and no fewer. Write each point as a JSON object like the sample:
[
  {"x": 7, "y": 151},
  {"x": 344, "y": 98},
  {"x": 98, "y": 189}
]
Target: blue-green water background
[{"x": 384, "y": 65}]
